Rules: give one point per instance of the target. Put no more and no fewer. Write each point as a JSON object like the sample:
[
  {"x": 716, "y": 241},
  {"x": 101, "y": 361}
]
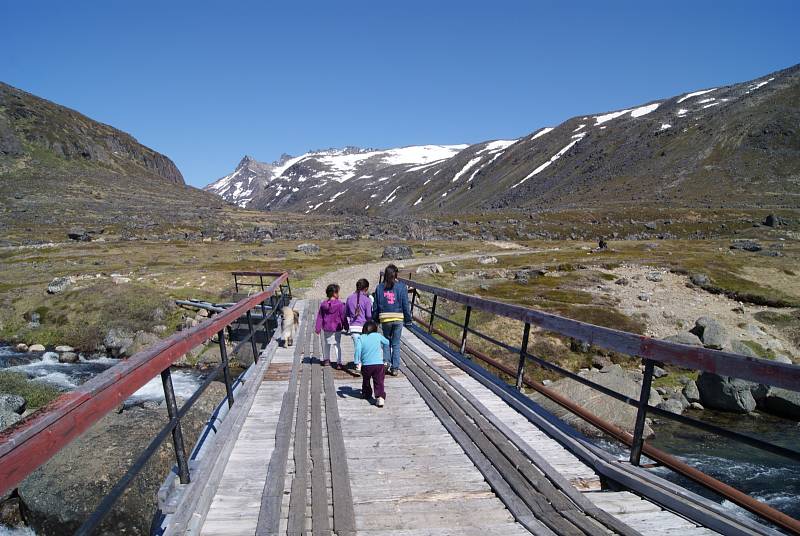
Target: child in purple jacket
[
  {"x": 359, "y": 309},
  {"x": 332, "y": 321}
]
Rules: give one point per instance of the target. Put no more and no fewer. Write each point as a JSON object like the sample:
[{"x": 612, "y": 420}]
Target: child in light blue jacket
[{"x": 369, "y": 360}]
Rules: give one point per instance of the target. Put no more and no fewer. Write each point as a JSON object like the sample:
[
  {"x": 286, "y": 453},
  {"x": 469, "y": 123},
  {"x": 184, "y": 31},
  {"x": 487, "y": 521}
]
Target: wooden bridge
[{"x": 456, "y": 450}]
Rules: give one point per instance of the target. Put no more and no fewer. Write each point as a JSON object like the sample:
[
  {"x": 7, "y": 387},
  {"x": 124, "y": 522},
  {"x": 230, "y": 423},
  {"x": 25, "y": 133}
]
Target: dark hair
[
  {"x": 369, "y": 327},
  {"x": 361, "y": 285},
  {"x": 389, "y": 276},
  {"x": 332, "y": 289}
]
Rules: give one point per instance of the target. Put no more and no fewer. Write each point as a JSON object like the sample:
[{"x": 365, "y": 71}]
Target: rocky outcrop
[
  {"x": 397, "y": 252},
  {"x": 712, "y": 333},
  {"x": 614, "y": 411},
  {"x": 60, "y": 495},
  {"x": 726, "y": 393},
  {"x": 59, "y": 284},
  {"x": 782, "y": 402}
]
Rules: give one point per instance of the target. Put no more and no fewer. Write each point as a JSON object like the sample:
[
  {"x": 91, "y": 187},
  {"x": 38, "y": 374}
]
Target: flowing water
[{"x": 45, "y": 368}]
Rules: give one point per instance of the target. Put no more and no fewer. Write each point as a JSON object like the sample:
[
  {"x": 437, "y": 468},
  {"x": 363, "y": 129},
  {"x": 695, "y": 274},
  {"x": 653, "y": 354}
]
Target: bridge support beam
[
  {"x": 641, "y": 413},
  {"x": 523, "y": 356},
  {"x": 226, "y": 373},
  {"x": 177, "y": 434}
]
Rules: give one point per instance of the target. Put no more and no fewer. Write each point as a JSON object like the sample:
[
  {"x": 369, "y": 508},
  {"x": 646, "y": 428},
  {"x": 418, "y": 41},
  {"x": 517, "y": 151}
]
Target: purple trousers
[{"x": 376, "y": 373}]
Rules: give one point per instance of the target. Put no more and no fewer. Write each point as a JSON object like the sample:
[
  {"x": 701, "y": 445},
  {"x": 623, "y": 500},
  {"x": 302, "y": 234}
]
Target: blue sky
[{"x": 207, "y": 82}]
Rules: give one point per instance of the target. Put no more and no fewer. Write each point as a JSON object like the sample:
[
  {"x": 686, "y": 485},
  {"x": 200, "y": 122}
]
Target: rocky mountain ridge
[{"x": 732, "y": 146}]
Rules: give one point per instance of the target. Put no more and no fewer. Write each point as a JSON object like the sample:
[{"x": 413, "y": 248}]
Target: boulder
[
  {"x": 59, "y": 284},
  {"x": 686, "y": 337},
  {"x": 619, "y": 413},
  {"x": 711, "y": 332},
  {"x": 726, "y": 393},
  {"x": 780, "y": 358},
  {"x": 80, "y": 235},
  {"x": 691, "y": 392},
  {"x": 64, "y": 348},
  {"x": 659, "y": 372},
  {"x": 21, "y": 347},
  {"x": 655, "y": 277},
  {"x": 68, "y": 357},
  {"x": 308, "y": 249},
  {"x": 142, "y": 340},
  {"x": 7, "y": 418},
  {"x": 62, "y": 493},
  {"x": 624, "y": 281},
  {"x": 746, "y": 245},
  {"x": 773, "y": 221},
  {"x": 487, "y": 260},
  {"x": 672, "y": 405},
  {"x": 36, "y": 348},
  {"x": 738, "y": 347},
  {"x": 700, "y": 280},
  {"x": 397, "y": 252},
  {"x": 117, "y": 342},
  {"x": 783, "y": 402},
  {"x": 644, "y": 297},
  {"x": 13, "y": 403},
  {"x": 430, "y": 269},
  {"x": 697, "y": 406}
]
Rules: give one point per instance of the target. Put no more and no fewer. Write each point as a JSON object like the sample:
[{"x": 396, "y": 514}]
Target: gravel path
[{"x": 347, "y": 277}]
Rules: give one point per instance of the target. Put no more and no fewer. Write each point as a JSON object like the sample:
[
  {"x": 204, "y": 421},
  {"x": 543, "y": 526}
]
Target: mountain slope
[
  {"x": 60, "y": 169},
  {"x": 733, "y": 146}
]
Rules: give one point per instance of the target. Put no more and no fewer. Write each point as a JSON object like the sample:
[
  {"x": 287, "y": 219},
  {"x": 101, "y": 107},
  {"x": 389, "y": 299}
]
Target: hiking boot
[
  {"x": 326, "y": 363},
  {"x": 379, "y": 402},
  {"x": 392, "y": 372}
]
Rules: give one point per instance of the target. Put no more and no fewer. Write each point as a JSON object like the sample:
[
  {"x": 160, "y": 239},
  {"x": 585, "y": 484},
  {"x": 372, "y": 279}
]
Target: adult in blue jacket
[{"x": 392, "y": 310}]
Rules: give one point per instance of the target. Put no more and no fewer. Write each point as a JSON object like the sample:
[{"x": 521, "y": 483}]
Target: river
[{"x": 45, "y": 368}]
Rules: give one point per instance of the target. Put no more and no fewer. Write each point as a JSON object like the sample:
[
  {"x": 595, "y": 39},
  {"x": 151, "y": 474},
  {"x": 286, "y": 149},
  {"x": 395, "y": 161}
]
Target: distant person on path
[
  {"x": 359, "y": 309},
  {"x": 392, "y": 310},
  {"x": 369, "y": 360},
  {"x": 332, "y": 321}
]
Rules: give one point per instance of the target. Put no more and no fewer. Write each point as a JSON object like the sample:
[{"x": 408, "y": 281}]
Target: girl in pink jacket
[{"x": 332, "y": 321}]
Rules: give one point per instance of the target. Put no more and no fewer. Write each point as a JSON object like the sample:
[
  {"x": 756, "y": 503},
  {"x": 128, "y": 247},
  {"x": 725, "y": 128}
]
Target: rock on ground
[
  {"x": 487, "y": 260},
  {"x": 7, "y": 418},
  {"x": 711, "y": 332},
  {"x": 59, "y": 284},
  {"x": 691, "y": 392},
  {"x": 726, "y": 393},
  {"x": 68, "y": 357},
  {"x": 605, "y": 407},
  {"x": 13, "y": 403},
  {"x": 783, "y": 402},
  {"x": 117, "y": 342},
  {"x": 61, "y": 494},
  {"x": 397, "y": 252},
  {"x": 307, "y": 248},
  {"x": 430, "y": 269},
  {"x": 687, "y": 338},
  {"x": 36, "y": 348}
]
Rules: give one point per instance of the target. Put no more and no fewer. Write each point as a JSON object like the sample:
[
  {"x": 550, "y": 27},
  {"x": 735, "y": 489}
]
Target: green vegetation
[
  {"x": 35, "y": 394},
  {"x": 759, "y": 350}
]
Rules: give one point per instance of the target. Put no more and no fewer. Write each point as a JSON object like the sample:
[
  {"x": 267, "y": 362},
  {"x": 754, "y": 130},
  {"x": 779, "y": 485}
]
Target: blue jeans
[{"x": 391, "y": 353}]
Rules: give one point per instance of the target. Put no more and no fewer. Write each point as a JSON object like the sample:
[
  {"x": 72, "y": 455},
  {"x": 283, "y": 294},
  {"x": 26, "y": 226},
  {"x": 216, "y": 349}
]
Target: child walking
[
  {"x": 331, "y": 320},
  {"x": 369, "y": 360},
  {"x": 392, "y": 310},
  {"x": 359, "y": 309}
]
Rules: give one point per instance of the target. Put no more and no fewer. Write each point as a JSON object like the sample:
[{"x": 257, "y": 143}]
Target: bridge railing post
[
  {"x": 523, "y": 356},
  {"x": 177, "y": 434},
  {"x": 413, "y": 300},
  {"x": 252, "y": 333},
  {"x": 236, "y": 282},
  {"x": 641, "y": 413},
  {"x": 223, "y": 352},
  {"x": 463, "y": 347},
  {"x": 433, "y": 313}
]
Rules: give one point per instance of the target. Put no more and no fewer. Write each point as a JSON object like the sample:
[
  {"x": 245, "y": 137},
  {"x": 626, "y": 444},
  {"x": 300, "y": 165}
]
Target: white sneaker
[{"x": 379, "y": 402}]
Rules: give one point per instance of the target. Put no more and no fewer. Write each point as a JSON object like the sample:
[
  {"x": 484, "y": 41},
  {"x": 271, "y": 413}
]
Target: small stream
[{"x": 45, "y": 368}]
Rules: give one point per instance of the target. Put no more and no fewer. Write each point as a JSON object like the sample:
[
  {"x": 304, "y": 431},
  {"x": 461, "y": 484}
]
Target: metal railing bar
[{"x": 723, "y": 363}]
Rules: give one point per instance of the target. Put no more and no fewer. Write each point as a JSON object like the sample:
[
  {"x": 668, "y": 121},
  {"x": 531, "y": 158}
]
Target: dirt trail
[{"x": 347, "y": 277}]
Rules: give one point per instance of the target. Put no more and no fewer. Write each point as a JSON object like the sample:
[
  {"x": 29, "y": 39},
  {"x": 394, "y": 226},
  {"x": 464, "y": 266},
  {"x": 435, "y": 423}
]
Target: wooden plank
[
  {"x": 535, "y": 501},
  {"x": 319, "y": 495},
  {"x": 344, "y": 522},
  {"x": 297, "y": 499},
  {"x": 518, "y": 508},
  {"x": 553, "y": 478},
  {"x": 269, "y": 515}
]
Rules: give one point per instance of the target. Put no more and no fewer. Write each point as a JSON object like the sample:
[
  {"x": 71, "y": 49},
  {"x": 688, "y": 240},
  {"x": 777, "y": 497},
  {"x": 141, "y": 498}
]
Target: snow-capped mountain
[
  {"x": 270, "y": 186},
  {"x": 732, "y": 146}
]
